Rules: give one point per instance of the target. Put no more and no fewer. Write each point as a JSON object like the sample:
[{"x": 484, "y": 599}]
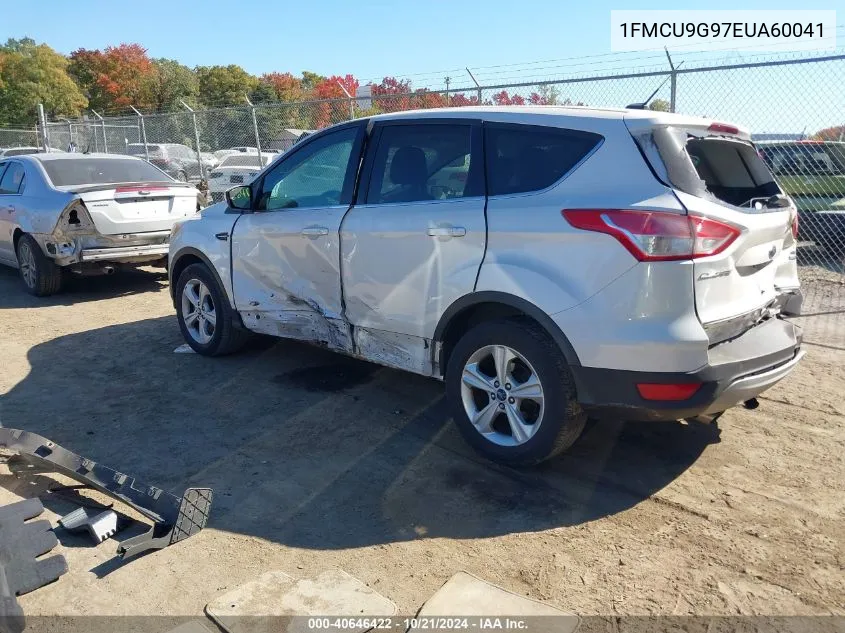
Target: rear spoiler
[{"x": 116, "y": 185}]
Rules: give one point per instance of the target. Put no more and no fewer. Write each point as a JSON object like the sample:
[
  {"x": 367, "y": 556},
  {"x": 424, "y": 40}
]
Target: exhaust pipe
[
  {"x": 751, "y": 404},
  {"x": 109, "y": 270}
]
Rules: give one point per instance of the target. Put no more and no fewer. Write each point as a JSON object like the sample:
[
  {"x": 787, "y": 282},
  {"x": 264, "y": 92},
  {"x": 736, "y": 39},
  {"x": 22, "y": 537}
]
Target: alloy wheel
[
  {"x": 502, "y": 395},
  {"x": 198, "y": 311}
]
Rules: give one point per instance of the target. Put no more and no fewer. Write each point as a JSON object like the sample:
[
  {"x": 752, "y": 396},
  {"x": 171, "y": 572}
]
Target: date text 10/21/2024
[{"x": 418, "y": 623}]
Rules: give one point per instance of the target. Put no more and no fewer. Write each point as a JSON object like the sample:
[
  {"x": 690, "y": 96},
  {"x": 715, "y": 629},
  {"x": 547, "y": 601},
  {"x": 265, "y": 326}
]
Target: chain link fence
[{"x": 795, "y": 105}]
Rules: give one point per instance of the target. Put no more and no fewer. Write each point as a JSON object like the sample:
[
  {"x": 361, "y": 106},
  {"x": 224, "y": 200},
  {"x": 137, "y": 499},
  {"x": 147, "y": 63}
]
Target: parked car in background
[
  {"x": 86, "y": 213},
  {"x": 812, "y": 173},
  {"x": 236, "y": 169},
  {"x": 19, "y": 151},
  {"x": 209, "y": 160},
  {"x": 178, "y": 161},
  {"x": 546, "y": 262},
  {"x": 220, "y": 154}
]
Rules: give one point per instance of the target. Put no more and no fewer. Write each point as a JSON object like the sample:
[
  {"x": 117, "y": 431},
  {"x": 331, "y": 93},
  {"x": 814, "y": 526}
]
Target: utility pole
[
  {"x": 143, "y": 132},
  {"x": 448, "y": 80},
  {"x": 196, "y": 137},
  {"x": 255, "y": 129}
]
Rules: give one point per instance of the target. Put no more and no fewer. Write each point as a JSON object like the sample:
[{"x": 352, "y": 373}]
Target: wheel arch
[
  {"x": 487, "y": 305},
  {"x": 184, "y": 258}
]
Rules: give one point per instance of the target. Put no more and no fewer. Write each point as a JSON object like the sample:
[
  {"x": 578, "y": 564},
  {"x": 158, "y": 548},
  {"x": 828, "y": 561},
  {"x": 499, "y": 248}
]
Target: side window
[
  {"x": 523, "y": 158},
  {"x": 318, "y": 175},
  {"x": 12, "y": 180},
  {"x": 423, "y": 162}
]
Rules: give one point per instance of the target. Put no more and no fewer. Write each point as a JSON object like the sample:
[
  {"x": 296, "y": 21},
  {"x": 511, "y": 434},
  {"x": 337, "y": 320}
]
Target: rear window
[
  {"x": 524, "y": 158},
  {"x": 732, "y": 171},
  {"x": 138, "y": 150},
  {"x": 11, "y": 181},
  {"x": 240, "y": 160},
  {"x": 98, "y": 171}
]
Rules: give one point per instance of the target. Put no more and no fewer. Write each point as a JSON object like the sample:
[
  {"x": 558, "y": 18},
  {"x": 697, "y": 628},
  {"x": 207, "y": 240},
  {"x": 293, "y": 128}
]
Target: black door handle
[{"x": 222, "y": 236}]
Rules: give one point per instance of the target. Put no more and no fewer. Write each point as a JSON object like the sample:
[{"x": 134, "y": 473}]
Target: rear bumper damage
[
  {"x": 174, "y": 518},
  {"x": 738, "y": 370},
  {"x": 130, "y": 248}
]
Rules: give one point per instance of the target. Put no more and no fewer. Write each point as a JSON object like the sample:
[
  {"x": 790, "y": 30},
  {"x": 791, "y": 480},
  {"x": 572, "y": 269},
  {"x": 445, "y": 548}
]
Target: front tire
[
  {"x": 512, "y": 394},
  {"x": 40, "y": 275},
  {"x": 206, "y": 319}
]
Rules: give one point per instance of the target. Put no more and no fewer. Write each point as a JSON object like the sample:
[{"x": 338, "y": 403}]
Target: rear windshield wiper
[{"x": 777, "y": 201}]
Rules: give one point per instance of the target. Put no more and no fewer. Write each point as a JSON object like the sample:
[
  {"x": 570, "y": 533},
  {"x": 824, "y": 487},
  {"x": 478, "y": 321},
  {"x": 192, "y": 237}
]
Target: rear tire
[
  {"x": 535, "y": 358},
  {"x": 201, "y": 304},
  {"x": 40, "y": 275}
]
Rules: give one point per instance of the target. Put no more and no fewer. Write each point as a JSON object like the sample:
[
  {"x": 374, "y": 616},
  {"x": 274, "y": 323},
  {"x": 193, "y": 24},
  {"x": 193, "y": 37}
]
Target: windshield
[
  {"x": 97, "y": 171},
  {"x": 805, "y": 159}
]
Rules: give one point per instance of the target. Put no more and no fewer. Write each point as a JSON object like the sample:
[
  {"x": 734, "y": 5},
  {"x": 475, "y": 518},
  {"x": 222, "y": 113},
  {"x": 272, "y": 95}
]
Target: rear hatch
[
  {"x": 717, "y": 174},
  {"x": 122, "y": 194}
]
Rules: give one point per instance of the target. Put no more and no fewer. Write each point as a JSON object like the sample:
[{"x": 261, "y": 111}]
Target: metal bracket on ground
[{"x": 174, "y": 518}]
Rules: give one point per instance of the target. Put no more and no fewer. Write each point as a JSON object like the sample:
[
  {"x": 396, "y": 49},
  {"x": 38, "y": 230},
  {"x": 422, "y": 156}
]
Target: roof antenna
[{"x": 644, "y": 104}]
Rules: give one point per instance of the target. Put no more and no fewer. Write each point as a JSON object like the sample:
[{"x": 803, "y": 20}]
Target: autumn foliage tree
[
  {"x": 114, "y": 78},
  {"x": 836, "y": 133},
  {"x": 330, "y": 88},
  {"x": 503, "y": 98}
]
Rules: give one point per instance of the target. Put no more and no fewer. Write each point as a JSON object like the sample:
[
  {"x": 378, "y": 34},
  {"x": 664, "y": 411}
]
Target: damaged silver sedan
[{"x": 86, "y": 213}]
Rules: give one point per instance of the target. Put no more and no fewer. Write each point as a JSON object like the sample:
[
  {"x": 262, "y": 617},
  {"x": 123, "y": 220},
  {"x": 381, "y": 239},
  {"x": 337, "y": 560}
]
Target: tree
[
  {"x": 115, "y": 78},
  {"x": 263, "y": 93},
  {"x": 224, "y": 85},
  {"x": 503, "y": 98},
  {"x": 461, "y": 100},
  {"x": 326, "y": 113},
  {"x": 391, "y": 95},
  {"x": 286, "y": 86},
  {"x": 545, "y": 95},
  {"x": 660, "y": 105},
  {"x": 33, "y": 73},
  {"x": 836, "y": 133},
  {"x": 171, "y": 82},
  {"x": 310, "y": 80}
]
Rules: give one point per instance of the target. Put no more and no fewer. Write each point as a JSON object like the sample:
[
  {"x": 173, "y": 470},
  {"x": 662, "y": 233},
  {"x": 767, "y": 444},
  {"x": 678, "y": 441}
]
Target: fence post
[
  {"x": 477, "y": 86},
  {"x": 255, "y": 129},
  {"x": 196, "y": 138},
  {"x": 673, "y": 81},
  {"x": 143, "y": 132},
  {"x": 103, "y": 123},
  {"x": 45, "y": 135},
  {"x": 351, "y": 101}
]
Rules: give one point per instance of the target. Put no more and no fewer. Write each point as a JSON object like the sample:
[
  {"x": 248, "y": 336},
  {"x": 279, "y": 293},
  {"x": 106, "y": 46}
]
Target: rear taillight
[
  {"x": 657, "y": 235},
  {"x": 661, "y": 391},
  {"x": 725, "y": 128},
  {"x": 795, "y": 226}
]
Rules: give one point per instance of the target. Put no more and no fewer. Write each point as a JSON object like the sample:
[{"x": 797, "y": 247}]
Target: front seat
[{"x": 409, "y": 170}]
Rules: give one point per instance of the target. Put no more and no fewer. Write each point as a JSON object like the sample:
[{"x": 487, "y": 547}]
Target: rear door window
[
  {"x": 416, "y": 162},
  {"x": 12, "y": 180},
  {"x": 523, "y": 158}
]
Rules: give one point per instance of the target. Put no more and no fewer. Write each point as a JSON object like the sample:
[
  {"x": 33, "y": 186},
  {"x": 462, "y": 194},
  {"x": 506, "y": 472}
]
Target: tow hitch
[{"x": 174, "y": 518}]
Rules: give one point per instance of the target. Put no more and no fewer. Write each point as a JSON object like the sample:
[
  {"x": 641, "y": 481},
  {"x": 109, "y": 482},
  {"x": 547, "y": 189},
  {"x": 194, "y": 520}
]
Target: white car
[
  {"x": 236, "y": 169},
  {"x": 87, "y": 213},
  {"x": 545, "y": 262}
]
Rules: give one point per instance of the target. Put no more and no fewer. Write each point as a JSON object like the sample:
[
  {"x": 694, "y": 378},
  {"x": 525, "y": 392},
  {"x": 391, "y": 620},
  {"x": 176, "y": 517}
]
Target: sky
[
  {"x": 370, "y": 39},
  {"x": 501, "y": 41}
]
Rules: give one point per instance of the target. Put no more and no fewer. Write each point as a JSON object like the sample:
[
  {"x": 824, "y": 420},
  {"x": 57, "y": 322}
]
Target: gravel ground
[{"x": 320, "y": 461}]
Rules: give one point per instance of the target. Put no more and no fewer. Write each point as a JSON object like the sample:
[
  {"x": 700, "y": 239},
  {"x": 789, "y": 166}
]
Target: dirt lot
[{"x": 320, "y": 461}]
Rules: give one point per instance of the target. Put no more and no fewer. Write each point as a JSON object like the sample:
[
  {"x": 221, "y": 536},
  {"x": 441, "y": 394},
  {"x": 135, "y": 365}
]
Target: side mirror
[{"x": 239, "y": 198}]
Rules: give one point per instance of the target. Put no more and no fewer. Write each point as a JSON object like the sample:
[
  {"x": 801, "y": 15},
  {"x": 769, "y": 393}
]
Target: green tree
[
  {"x": 263, "y": 93},
  {"x": 660, "y": 105},
  {"x": 224, "y": 85},
  {"x": 33, "y": 73},
  {"x": 171, "y": 82},
  {"x": 310, "y": 80}
]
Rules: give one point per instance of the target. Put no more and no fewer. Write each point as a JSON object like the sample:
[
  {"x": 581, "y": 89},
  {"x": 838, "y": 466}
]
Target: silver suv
[{"x": 547, "y": 263}]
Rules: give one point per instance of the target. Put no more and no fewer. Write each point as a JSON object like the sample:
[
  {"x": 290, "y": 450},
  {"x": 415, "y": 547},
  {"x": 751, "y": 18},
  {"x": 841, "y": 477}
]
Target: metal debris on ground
[
  {"x": 174, "y": 518},
  {"x": 21, "y": 543},
  {"x": 100, "y": 524}
]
